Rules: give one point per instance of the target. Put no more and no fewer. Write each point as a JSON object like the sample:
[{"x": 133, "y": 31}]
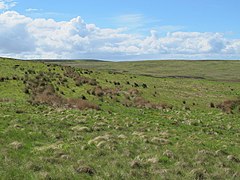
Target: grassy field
[
  {"x": 129, "y": 120},
  {"x": 213, "y": 70}
]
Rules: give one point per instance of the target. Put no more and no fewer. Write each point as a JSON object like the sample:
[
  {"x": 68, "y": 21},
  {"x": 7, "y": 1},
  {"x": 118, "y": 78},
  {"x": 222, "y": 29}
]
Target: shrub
[
  {"x": 136, "y": 85},
  {"x": 2, "y": 79},
  {"x": 83, "y": 97},
  {"x": 144, "y": 85},
  {"x": 26, "y": 91},
  {"x": 212, "y": 105}
]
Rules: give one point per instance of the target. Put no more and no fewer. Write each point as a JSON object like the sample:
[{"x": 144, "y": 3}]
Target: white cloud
[
  {"x": 14, "y": 36},
  {"x": 32, "y": 10},
  {"x": 24, "y": 37},
  {"x": 7, "y": 4}
]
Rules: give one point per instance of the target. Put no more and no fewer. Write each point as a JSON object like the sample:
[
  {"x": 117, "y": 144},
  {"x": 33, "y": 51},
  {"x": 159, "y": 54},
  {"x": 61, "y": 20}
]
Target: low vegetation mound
[
  {"x": 43, "y": 92},
  {"x": 229, "y": 106}
]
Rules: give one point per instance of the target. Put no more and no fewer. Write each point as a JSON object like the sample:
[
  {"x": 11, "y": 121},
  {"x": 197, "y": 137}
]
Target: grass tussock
[
  {"x": 5, "y": 100},
  {"x": 228, "y": 106}
]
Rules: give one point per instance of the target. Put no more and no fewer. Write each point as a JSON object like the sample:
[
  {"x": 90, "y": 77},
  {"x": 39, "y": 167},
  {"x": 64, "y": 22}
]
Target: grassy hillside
[
  {"x": 89, "y": 122},
  {"x": 213, "y": 70}
]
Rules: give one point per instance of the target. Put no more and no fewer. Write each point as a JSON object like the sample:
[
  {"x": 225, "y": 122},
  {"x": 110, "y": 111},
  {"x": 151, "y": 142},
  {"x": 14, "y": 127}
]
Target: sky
[{"x": 120, "y": 30}]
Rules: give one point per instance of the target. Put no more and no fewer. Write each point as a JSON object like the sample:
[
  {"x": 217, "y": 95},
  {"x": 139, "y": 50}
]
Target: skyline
[{"x": 120, "y": 30}]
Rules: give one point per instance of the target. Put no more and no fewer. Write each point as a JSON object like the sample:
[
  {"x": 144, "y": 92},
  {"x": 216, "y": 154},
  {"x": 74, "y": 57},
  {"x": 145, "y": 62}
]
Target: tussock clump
[
  {"x": 50, "y": 147},
  {"x": 101, "y": 144},
  {"x": 233, "y": 158},
  {"x": 17, "y": 126},
  {"x": 16, "y": 145},
  {"x": 220, "y": 152},
  {"x": 101, "y": 123},
  {"x": 199, "y": 174},
  {"x": 85, "y": 169},
  {"x": 169, "y": 154},
  {"x": 44, "y": 175},
  {"x": 119, "y": 128},
  {"x": 153, "y": 160},
  {"x": 122, "y": 136},
  {"x": 81, "y": 129},
  {"x": 229, "y": 105},
  {"x": 159, "y": 141},
  {"x": 100, "y": 141},
  {"x": 5, "y": 100},
  {"x": 140, "y": 134},
  {"x": 34, "y": 167},
  {"x": 136, "y": 164},
  {"x": 97, "y": 128}
]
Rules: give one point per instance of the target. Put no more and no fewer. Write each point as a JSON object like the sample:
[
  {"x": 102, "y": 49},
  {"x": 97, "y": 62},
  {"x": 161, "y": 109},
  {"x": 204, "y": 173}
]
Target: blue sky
[
  {"x": 200, "y": 15},
  {"x": 153, "y": 22}
]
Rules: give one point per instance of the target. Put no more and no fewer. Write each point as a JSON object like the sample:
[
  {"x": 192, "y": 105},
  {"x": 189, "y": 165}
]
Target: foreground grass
[{"x": 189, "y": 141}]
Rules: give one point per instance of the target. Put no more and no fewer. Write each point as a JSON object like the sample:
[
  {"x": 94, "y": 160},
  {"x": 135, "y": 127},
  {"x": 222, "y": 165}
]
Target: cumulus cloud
[
  {"x": 24, "y": 37},
  {"x": 14, "y": 35}
]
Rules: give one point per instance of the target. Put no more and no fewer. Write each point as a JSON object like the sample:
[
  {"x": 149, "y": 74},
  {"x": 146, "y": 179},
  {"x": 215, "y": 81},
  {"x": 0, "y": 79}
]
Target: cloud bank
[{"x": 24, "y": 37}]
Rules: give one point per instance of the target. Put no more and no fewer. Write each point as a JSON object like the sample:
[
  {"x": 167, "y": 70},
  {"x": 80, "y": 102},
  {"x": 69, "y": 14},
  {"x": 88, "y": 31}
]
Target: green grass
[{"x": 189, "y": 141}]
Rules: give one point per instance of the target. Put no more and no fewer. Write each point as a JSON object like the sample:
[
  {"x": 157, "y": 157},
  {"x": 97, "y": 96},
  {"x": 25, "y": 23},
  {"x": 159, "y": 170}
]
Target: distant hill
[{"x": 208, "y": 69}]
